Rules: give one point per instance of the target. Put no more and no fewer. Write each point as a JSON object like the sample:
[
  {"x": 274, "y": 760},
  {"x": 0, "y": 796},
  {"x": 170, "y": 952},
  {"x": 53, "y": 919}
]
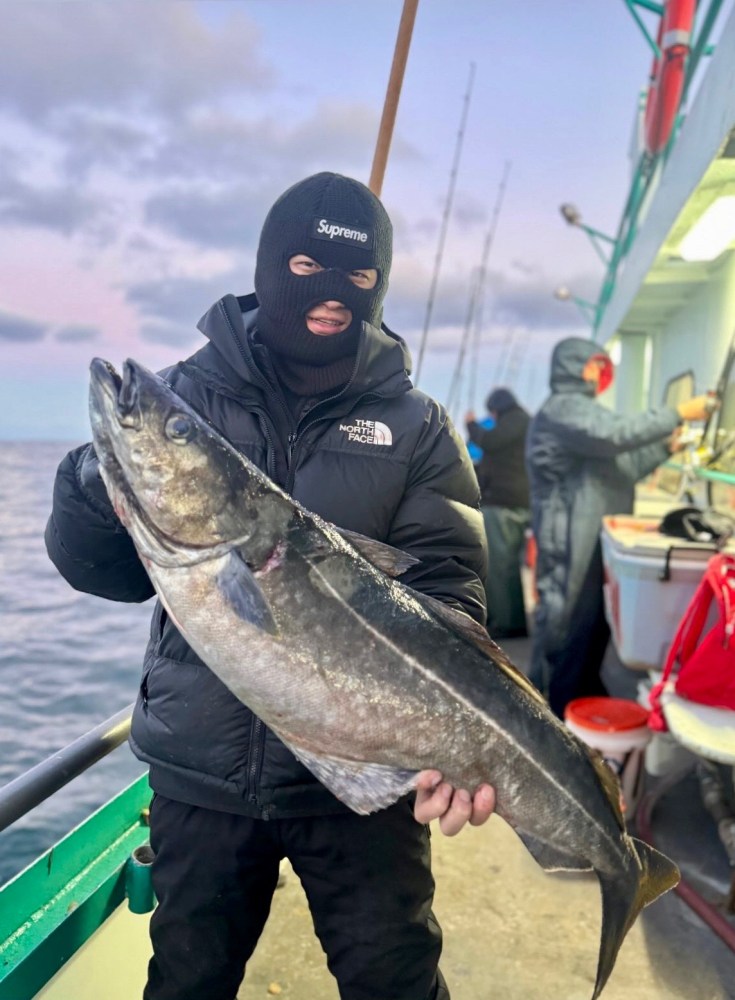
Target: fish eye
[{"x": 180, "y": 428}]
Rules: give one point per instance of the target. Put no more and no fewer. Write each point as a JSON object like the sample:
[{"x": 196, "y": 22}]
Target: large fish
[{"x": 367, "y": 681}]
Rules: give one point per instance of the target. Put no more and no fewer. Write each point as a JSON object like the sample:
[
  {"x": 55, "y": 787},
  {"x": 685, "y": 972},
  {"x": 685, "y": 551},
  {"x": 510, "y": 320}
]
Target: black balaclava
[{"x": 340, "y": 224}]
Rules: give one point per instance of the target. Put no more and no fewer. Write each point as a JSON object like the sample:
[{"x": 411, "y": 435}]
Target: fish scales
[{"x": 366, "y": 680}]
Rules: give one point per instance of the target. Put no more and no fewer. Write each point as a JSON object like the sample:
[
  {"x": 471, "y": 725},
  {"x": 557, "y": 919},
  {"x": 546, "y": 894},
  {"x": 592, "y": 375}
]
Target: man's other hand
[{"x": 453, "y": 807}]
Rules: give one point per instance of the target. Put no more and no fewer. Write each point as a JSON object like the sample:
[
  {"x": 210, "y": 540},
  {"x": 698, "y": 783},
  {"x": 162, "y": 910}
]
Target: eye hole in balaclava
[{"x": 339, "y": 223}]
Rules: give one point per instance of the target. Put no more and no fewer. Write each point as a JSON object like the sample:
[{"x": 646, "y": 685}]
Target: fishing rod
[
  {"x": 504, "y": 356},
  {"x": 457, "y": 374},
  {"x": 478, "y": 287},
  {"x": 489, "y": 240},
  {"x": 445, "y": 223},
  {"x": 393, "y": 93}
]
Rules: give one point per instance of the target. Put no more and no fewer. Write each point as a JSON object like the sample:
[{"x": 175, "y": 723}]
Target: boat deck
[{"x": 510, "y": 930}]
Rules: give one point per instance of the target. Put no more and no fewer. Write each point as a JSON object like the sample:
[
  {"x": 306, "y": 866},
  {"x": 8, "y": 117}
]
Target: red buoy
[{"x": 668, "y": 73}]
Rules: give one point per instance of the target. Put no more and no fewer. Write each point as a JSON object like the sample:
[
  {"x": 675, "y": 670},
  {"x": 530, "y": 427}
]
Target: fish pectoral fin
[
  {"x": 362, "y": 786},
  {"x": 237, "y": 584},
  {"x": 550, "y": 857},
  {"x": 390, "y": 560}
]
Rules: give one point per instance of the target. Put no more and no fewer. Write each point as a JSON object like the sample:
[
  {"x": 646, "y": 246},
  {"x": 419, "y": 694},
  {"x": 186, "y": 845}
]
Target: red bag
[{"x": 706, "y": 664}]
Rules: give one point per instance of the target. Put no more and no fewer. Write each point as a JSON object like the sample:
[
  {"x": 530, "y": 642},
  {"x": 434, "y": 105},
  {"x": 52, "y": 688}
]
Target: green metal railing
[
  {"x": 716, "y": 477},
  {"x": 49, "y": 910},
  {"x": 28, "y": 790}
]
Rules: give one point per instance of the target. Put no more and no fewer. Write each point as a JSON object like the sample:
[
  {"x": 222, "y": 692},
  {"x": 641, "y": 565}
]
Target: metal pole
[
  {"x": 30, "y": 789},
  {"x": 445, "y": 223},
  {"x": 390, "y": 105},
  {"x": 700, "y": 46}
]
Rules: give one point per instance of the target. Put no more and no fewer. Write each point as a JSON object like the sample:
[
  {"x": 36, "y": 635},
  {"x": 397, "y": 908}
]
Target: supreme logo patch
[{"x": 338, "y": 232}]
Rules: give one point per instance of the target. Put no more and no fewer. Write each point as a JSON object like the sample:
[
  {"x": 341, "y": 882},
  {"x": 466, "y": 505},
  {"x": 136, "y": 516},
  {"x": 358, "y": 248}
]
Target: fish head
[{"x": 176, "y": 483}]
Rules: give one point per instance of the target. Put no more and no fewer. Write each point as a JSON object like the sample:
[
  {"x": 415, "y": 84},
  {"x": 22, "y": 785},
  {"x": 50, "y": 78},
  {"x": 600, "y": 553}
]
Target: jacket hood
[
  {"x": 383, "y": 358},
  {"x": 567, "y": 361},
  {"x": 500, "y": 400}
]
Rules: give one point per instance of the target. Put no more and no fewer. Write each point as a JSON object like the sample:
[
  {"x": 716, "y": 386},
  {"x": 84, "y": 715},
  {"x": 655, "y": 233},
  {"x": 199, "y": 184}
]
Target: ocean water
[{"x": 68, "y": 661}]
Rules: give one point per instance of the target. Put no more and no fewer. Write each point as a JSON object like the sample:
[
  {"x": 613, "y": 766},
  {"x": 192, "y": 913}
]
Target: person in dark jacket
[
  {"x": 501, "y": 473},
  {"x": 305, "y": 381},
  {"x": 583, "y": 462}
]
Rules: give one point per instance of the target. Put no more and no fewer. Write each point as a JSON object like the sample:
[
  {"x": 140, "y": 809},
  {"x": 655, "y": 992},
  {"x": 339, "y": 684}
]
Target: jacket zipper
[
  {"x": 271, "y": 393},
  {"x": 256, "y": 750},
  {"x": 298, "y": 434}
]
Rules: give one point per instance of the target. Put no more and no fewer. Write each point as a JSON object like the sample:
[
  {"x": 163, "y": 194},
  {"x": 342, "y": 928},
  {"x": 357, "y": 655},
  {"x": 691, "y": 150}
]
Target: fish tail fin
[{"x": 647, "y": 876}]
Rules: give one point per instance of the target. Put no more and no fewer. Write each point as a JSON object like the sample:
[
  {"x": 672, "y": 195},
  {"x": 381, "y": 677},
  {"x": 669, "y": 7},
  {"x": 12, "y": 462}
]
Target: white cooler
[{"x": 649, "y": 580}]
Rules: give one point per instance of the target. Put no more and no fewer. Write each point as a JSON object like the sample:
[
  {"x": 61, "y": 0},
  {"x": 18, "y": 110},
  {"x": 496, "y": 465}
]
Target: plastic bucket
[{"x": 618, "y": 728}]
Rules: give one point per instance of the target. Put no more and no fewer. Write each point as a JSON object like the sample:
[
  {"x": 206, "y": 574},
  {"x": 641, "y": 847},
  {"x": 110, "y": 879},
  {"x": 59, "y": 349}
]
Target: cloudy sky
[{"x": 141, "y": 144}]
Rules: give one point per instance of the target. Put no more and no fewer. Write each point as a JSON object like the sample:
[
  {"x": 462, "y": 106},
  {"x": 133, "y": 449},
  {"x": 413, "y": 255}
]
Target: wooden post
[{"x": 390, "y": 105}]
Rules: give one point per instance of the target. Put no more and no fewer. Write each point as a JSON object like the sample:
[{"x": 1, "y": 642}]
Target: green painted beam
[
  {"x": 717, "y": 477},
  {"x": 52, "y": 908},
  {"x": 701, "y": 46},
  {"x": 657, "y": 9},
  {"x": 712, "y": 475}
]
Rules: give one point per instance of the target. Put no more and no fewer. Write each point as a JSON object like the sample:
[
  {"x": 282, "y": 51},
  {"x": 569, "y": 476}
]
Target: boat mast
[
  {"x": 390, "y": 105},
  {"x": 445, "y": 223}
]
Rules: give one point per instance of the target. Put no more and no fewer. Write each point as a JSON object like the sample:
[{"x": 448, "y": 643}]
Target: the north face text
[{"x": 368, "y": 432}]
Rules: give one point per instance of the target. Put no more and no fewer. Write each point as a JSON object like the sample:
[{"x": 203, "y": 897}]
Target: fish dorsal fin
[
  {"x": 387, "y": 558},
  {"x": 473, "y": 632},
  {"x": 362, "y": 786}
]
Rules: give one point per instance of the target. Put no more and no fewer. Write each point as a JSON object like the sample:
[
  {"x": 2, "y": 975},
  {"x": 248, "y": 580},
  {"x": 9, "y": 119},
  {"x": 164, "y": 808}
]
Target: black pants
[
  {"x": 367, "y": 879},
  {"x": 505, "y": 528},
  {"x": 572, "y": 670}
]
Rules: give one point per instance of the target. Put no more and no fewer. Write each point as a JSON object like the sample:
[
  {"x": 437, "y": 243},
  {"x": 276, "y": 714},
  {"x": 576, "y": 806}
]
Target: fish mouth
[
  {"x": 107, "y": 416},
  {"x": 116, "y": 406},
  {"x": 114, "y": 395},
  {"x": 114, "y": 409}
]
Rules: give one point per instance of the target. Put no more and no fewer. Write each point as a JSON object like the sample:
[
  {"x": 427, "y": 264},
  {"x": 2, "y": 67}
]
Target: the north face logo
[{"x": 368, "y": 432}]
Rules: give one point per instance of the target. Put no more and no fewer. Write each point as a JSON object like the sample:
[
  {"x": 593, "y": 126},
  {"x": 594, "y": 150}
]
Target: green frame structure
[
  {"x": 49, "y": 910},
  {"x": 645, "y": 169}
]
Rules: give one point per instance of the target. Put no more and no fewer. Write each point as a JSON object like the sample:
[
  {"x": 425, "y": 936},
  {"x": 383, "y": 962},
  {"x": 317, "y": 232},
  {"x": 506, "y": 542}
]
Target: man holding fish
[{"x": 306, "y": 382}]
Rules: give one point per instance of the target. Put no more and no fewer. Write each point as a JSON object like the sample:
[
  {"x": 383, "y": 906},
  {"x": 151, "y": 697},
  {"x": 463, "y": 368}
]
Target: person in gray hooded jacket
[
  {"x": 304, "y": 379},
  {"x": 583, "y": 462}
]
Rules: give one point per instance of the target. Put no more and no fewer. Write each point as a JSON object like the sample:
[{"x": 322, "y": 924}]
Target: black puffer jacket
[
  {"x": 583, "y": 462},
  {"x": 379, "y": 458},
  {"x": 501, "y": 472}
]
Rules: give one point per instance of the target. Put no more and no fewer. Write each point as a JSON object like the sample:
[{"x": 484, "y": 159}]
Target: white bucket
[{"x": 621, "y": 745}]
